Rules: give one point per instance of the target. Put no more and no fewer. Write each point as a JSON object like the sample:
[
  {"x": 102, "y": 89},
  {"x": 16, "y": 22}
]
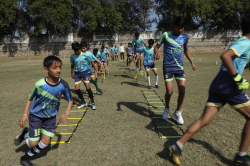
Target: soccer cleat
[
  {"x": 82, "y": 105},
  {"x": 165, "y": 114},
  {"x": 94, "y": 106},
  {"x": 26, "y": 162},
  {"x": 242, "y": 160},
  {"x": 100, "y": 91},
  {"x": 149, "y": 87},
  {"x": 156, "y": 86},
  {"x": 20, "y": 137},
  {"x": 175, "y": 152},
  {"x": 178, "y": 117}
]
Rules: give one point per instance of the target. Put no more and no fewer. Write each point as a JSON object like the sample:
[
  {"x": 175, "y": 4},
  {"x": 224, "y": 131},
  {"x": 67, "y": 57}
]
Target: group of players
[{"x": 227, "y": 87}]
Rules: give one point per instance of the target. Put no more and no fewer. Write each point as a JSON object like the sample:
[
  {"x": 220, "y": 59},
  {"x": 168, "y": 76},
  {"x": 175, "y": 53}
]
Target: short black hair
[
  {"x": 102, "y": 47},
  {"x": 76, "y": 46},
  {"x": 151, "y": 41},
  {"x": 245, "y": 25},
  {"x": 49, "y": 60},
  {"x": 137, "y": 34},
  {"x": 95, "y": 50},
  {"x": 84, "y": 44},
  {"x": 180, "y": 21}
]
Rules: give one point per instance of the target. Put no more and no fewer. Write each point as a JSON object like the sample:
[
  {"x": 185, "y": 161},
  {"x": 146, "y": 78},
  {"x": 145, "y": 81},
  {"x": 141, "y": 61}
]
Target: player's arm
[
  {"x": 226, "y": 58},
  {"x": 25, "y": 117},
  {"x": 72, "y": 71},
  {"x": 63, "y": 118},
  {"x": 187, "y": 53},
  {"x": 99, "y": 62},
  {"x": 157, "y": 56}
]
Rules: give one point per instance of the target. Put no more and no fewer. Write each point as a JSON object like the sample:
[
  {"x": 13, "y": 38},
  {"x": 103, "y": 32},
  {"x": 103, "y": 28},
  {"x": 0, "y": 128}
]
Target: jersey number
[{"x": 37, "y": 132}]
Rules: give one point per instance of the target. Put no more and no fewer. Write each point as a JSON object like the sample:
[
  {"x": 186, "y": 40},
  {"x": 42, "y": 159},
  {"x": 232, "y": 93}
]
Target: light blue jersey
[
  {"x": 47, "y": 98},
  {"x": 129, "y": 52},
  {"x": 104, "y": 55},
  {"x": 112, "y": 49},
  {"x": 116, "y": 50},
  {"x": 173, "y": 47},
  {"x": 148, "y": 56},
  {"x": 90, "y": 56},
  {"x": 241, "y": 48},
  {"x": 98, "y": 55},
  {"x": 138, "y": 44},
  {"x": 81, "y": 62}
]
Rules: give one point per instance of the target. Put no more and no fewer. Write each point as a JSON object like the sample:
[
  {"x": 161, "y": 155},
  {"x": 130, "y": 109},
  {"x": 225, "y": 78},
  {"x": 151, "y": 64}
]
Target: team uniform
[
  {"x": 138, "y": 45},
  {"x": 104, "y": 55},
  {"x": 112, "y": 49},
  {"x": 129, "y": 52},
  {"x": 82, "y": 67},
  {"x": 116, "y": 51},
  {"x": 223, "y": 88},
  {"x": 173, "y": 61},
  {"x": 148, "y": 58},
  {"x": 44, "y": 108}
]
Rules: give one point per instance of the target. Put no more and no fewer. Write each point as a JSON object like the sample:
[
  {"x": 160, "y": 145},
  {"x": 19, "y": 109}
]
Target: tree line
[{"x": 34, "y": 17}]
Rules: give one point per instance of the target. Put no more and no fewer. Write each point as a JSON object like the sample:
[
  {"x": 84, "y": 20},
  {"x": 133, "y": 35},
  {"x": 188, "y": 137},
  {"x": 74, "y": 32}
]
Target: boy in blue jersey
[
  {"x": 128, "y": 50},
  {"x": 227, "y": 87},
  {"x": 91, "y": 76},
  {"x": 42, "y": 117},
  {"x": 174, "y": 42},
  {"x": 112, "y": 50},
  {"x": 104, "y": 53},
  {"x": 97, "y": 54},
  {"x": 80, "y": 70},
  {"x": 116, "y": 52},
  {"x": 150, "y": 62},
  {"x": 138, "y": 46}
]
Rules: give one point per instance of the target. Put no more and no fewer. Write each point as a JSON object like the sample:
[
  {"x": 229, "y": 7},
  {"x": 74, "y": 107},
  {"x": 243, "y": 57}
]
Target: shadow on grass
[{"x": 135, "y": 84}]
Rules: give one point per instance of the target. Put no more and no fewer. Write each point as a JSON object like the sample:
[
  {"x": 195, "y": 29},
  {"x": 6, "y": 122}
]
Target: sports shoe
[
  {"x": 242, "y": 160},
  {"x": 26, "y": 162},
  {"x": 149, "y": 87},
  {"x": 20, "y": 137},
  {"x": 140, "y": 71},
  {"x": 178, "y": 117},
  {"x": 82, "y": 105},
  {"x": 94, "y": 106},
  {"x": 156, "y": 86},
  {"x": 165, "y": 114},
  {"x": 100, "y": 91},
  {"x": 175, "y": 152},
  {"x": 137, "y": 69}
]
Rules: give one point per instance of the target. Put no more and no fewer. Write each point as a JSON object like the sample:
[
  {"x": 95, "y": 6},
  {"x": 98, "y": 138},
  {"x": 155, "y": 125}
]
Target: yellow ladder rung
[
  {"x": 61, "y": 142},
  {"x": 64, "y": 133},
  {"x": 68, "y": 125},
  {"x": 74, "y": 118}
]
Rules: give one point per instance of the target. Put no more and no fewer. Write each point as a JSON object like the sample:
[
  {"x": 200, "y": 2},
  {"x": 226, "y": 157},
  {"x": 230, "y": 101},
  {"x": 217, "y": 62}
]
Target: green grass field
[{"x": 120, "y": 131}]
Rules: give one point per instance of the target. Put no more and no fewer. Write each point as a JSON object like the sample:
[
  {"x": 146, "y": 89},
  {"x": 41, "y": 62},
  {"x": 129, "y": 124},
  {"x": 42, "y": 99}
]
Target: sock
[
  {"x": 148, "y": 78},
  {"x": 156, "y": 80},
  {"x": 242, "y": 154},
  {"x": 26, "y": 140},
  {"x": 40, "y": 146},
  {"x": 95, "y": 83},
  {"x": 79, "y": 93},
  {"x": 91, "y": 95},
  {"x": 179, "y": 144}
]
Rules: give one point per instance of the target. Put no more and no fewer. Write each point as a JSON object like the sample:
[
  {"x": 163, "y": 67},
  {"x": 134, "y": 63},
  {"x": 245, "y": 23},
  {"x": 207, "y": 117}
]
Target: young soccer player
[
  {"x": 42, "y": 117},
  {"x": 128, "y": 50},
  {"x": 226, "y": 87},
  {"x": 98, "y": 55},
  {"x": 174, "y": 41},
  {"x": 107, "y": 56},
  {"x": 80, "y": 70},
  {"x": 116, "y": 52},
  {"x": 138, "y": 46},
  {"x": 121, "y": 50},
  {"x": 150, "y": 62},
  {"x": 104, "y": 54},
  {"x": 92, "y": 77},
  {"x": 112, "y": 50}
]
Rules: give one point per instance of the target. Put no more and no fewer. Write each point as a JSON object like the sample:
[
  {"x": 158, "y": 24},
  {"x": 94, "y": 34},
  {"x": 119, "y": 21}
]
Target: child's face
[
  {"x": 78, "y": 52},
  {"x": 177, "y": 29},
  {"x": 84, "y": 49},
  {"x": 54, "y": 70},
  {"x": 150, "y": 45}
]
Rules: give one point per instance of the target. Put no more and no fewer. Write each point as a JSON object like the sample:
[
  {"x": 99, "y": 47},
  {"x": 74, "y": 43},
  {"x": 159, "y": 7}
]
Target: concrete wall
[{"x": 199, "y": 42}]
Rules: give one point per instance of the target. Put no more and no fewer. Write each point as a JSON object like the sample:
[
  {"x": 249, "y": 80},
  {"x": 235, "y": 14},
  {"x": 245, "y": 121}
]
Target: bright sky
[{"x": 153, "y": 27}]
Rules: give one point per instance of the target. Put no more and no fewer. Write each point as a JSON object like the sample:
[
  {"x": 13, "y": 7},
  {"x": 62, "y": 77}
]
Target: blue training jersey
[
  {"x": 91, "y": 56},
  {"x": 241, "y": 48},
  {"x": 148, "y": 56},
  {"x": 138, "y": 44},
  {"x": 112, "y": 49},
  {"x": 104, "y": 54},
  {"x": 129, "y": 52},
  {"x": 116, "y": 50},
  {"x": 173, "y": 47},
  {"x": 47, "y": 98},
  {"x": 82, "y": 61}
]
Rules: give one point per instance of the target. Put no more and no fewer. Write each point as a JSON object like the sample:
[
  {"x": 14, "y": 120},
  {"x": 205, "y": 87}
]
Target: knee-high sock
[
  {"x": 40, "y": 146},
  {"x": 91, "y": 95},
  {"x": 156, "y": 80},
  {"x": 148, "y": 78},
  {"x": 79, "y": 93},
  {"x": 95, "y": 83}
]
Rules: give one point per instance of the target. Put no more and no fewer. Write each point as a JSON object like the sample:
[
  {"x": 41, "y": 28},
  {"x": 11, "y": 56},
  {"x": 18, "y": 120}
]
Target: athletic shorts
[
  {"x": 121, "y": 53},
  {"x": 153, "y": 67},
  {"x": 224, "y": 90},
  {"x": 104, "y": 62},
  {"x": 82, "y": 75},
  {"x": 137, "y": 51},
  {"x": 38, "y": 125},
  {"x": 177, "y": 72},
  {"x": 112, "y": 53}
]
